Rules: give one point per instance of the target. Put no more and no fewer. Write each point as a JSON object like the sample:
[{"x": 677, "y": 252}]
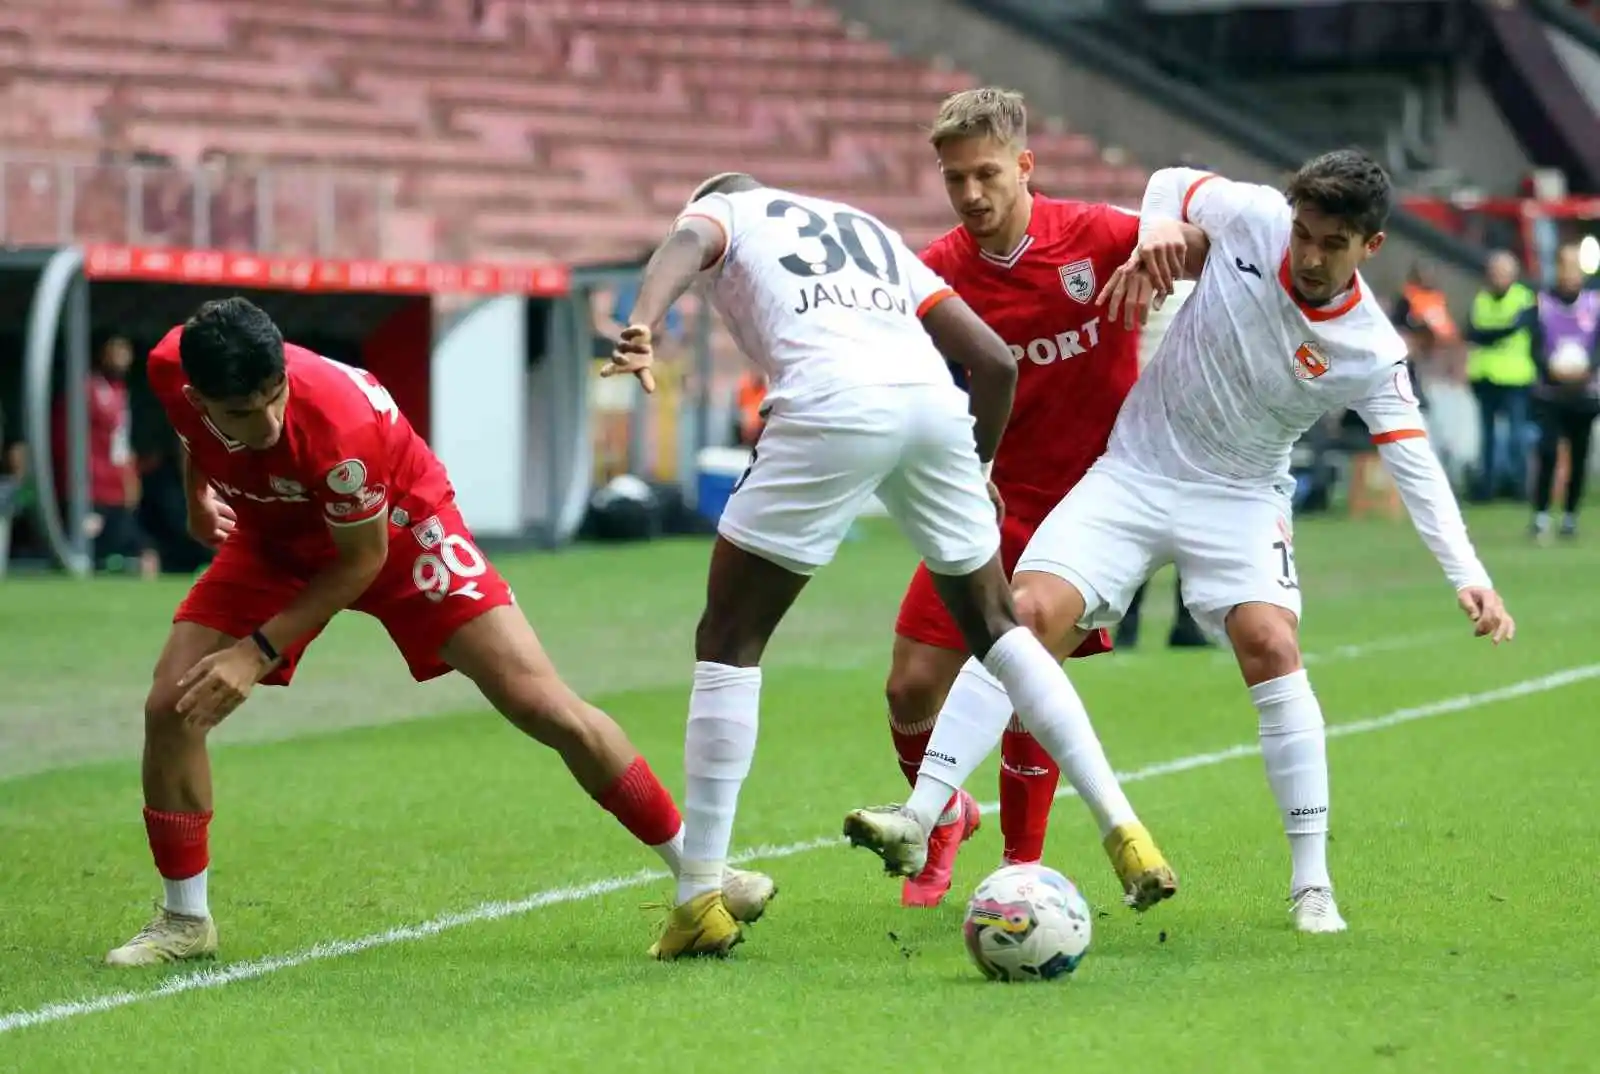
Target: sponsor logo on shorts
[{"x": 429, "y": 533}]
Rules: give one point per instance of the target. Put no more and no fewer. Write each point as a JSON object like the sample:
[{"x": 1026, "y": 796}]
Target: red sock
[
  {"x": 910, "y": 746},
  {"x": 1028, "y": 782},
  {"x": 178, "y": 842},
  {"x": 642, "y": 804}
]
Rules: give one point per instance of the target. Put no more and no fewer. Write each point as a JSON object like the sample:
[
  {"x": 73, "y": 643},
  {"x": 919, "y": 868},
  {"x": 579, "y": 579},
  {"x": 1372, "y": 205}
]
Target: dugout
[{"x": 484, "y": 360}]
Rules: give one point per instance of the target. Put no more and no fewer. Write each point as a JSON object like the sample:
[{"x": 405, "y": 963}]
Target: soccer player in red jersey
[
  {"x": 319, "y": 497},
  {"x": 1030, "y": 266}
]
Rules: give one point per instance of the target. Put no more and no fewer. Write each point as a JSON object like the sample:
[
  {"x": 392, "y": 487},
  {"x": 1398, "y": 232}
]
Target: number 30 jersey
[
  {"x": 821, "y": 296},
  {"x": 346, "y": 456}
]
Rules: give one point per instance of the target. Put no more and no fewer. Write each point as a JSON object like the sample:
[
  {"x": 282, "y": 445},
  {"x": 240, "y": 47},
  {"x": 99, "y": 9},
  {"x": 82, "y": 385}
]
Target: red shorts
[
  {"x": 924, "y": 618},
  {"x": 434, "y": 582}
]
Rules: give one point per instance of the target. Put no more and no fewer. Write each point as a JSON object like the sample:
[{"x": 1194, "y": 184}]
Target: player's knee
[
  {"x": 914, "y": 692},
  {"x": 161, "y": 718},
  {"x": 1046, "y": 606},
  {"x": 1265, "y": 640}
]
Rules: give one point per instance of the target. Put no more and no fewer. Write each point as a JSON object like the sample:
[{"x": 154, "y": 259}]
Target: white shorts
[
  {"x": 1119, "y": 525},
  {"x": 820, "y": 460}
]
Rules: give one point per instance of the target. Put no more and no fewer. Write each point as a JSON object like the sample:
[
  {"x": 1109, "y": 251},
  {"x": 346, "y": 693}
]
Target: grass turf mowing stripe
[{"x": 493, "y": 911}]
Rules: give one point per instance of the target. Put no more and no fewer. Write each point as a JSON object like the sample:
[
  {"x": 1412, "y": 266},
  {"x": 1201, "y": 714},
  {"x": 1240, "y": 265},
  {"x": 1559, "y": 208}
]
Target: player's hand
[
  {"x": 211, "y": 519},
  {"x": 1163, "y": 250},
  {"x": 219, "y": 683},
  {"x": 1132, "y": 292},
  {"x": 1488, "y": 613},
  {"x": 634, "y": 353},
  {"x": 998, "y": 501}
]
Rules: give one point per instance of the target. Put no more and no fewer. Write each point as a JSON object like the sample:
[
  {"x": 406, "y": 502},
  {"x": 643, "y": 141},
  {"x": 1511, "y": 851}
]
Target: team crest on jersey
[
  {"x": 284, "y": 487},
  {"x": 347, "y": 477},
  {"x": 429, "y": 534},
  {"x": 1077, "y": 279},
  {"x": 1310, "y": 361}
]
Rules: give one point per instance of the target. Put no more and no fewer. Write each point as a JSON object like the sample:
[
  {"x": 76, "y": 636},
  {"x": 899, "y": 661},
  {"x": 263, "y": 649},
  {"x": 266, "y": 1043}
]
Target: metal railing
[{"x": 289, "y": 210}]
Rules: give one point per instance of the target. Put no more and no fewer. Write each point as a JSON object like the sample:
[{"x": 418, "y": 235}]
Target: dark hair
[
  {"x": 230, "y": 349},
  {"x": 1346, "y": 184},
  {"x": 725, "y": 183}
]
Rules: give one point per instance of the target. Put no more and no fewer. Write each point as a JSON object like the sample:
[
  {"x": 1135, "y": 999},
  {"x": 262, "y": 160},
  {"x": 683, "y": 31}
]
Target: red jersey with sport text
[
  {"x": 1075, "y": 366},
  {"x": 346, "y": 456}
]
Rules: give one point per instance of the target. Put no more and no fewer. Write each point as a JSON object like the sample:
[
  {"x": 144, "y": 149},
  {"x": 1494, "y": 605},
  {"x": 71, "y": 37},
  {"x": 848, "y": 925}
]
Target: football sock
[
  {"x": 718, "y": 745},
  {"x": 968, "y": 729},
  {"x": 183, "y": 857},
  {"x": 645, "y": 807},
  {"x": 1049, "y": 707},
  {"x": 910, "y": 742},
  {"x": 1028, "y": 782},
  {"x": 1294, "y": 747}
]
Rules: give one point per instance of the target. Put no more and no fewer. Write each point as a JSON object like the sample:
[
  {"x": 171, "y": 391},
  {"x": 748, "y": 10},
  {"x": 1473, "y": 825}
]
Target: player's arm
[
  {"x": 1395, "y": 422},
  {"x": 963, "y": 338},
  {"x": 697, "y": 243},
  {"x": 360, "y": 551},
  {"x": 210, "y": 520}
]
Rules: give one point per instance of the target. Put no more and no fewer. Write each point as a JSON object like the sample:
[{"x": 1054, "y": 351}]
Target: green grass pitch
[{"x": 402, "y": 883}]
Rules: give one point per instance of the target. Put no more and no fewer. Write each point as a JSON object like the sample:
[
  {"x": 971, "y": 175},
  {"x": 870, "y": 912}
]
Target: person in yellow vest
[{"x": 1501, "y": 368}]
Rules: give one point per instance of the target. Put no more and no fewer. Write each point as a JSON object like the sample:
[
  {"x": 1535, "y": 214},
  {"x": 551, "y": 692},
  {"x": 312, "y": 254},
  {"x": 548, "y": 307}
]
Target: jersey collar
[{"x": 1318, "y": 313}]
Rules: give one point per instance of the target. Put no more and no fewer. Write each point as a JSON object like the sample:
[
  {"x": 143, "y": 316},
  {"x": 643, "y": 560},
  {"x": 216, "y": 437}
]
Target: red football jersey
[
  {"x": 1075, "y": 365},
  {"x": 346, "y": 455}
]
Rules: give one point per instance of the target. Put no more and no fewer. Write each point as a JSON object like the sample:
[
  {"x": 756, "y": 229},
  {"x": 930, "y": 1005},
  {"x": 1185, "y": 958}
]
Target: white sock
[
  {"x": 718, "y": 745},
  {"x": 672, "y": 852},
  {"x": 1294, "y": 747},
  {"x": 1053, "y": 713},
  {"x": 969, "y": 727},
  {"x": 188, "y": 896}
]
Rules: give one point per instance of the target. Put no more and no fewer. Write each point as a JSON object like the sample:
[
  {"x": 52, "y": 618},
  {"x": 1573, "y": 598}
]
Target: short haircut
[
  {"x": 1346, "y": 184},
  {"x": 988, "y": 112},
  {"x": 230, "y": 349},
  {"x": 725, "y": 183}
]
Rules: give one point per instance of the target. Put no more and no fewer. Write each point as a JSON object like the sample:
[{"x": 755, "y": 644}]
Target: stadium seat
[{"x": 566, "y": 128}]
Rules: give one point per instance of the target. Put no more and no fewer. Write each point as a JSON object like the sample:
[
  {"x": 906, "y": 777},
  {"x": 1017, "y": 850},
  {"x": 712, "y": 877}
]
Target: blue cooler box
[{"x": 717, "y": 471}]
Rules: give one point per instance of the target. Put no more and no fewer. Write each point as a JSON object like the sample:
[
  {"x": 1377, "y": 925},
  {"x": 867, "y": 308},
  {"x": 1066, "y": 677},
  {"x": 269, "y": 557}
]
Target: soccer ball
[{"x": 1026, "y": 923}]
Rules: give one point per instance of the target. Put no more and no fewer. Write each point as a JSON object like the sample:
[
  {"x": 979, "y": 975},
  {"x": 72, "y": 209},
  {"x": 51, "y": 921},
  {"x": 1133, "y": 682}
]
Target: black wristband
[{"x": 264, "y": 645}]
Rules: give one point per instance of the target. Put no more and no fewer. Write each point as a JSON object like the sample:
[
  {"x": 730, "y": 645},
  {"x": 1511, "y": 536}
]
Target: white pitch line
[{"x": 494, "y": 911}]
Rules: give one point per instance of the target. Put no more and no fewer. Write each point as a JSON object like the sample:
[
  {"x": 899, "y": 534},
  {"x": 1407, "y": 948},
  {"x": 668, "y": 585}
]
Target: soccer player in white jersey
[
  {"x": 1279, "y": 331},
  {"x": 853, "y": 332}
]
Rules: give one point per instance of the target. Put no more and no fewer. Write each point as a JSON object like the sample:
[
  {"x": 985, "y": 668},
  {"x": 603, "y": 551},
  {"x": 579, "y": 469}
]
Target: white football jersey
[
  {"x": 1245, "y": 368},
  {"x": 820, "y": 295}
]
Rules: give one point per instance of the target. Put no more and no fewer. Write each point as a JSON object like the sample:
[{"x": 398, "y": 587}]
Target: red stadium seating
[{"x": 559, "y": 128}]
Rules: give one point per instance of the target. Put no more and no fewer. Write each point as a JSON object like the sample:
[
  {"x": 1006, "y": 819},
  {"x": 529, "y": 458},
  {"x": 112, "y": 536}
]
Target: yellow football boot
[
  {"x": 702, "y": 926},
  {"x": 1146, "y": 877}
]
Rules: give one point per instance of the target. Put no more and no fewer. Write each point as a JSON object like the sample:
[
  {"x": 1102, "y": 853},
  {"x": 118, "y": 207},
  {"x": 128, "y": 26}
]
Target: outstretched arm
[
  {"x": 1392, "y": 416},
  {"x": 699, "y": 241}
]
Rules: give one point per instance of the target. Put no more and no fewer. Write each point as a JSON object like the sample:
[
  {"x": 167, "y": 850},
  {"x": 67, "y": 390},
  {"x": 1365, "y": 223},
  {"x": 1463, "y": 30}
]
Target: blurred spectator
[
  {"x": 749, "y": 415},
  {"x": 114, "y": 489},
  {"x": 1566, "y": 398},
  {"x": 1501, "y": 369},
  {"x": 1422, "y": 315}
]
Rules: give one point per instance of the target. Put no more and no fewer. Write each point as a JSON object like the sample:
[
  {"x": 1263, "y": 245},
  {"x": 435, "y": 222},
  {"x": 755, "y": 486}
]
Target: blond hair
[{"x": 989, "y": 112}]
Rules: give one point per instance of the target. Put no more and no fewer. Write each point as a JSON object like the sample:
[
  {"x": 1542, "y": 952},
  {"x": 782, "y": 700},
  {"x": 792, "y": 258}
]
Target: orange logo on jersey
[{"x": 1310, "y": 361}]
